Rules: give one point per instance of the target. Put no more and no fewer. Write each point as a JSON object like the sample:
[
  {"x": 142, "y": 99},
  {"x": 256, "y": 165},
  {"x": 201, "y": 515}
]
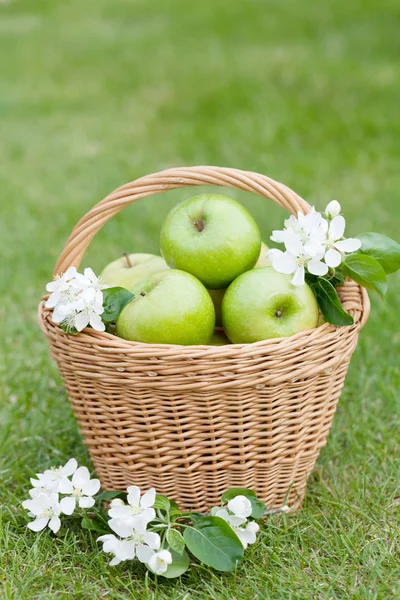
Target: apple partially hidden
[
  {"x": 218, "y": 338},
  {"x": 218, "y": 295},
  {"x": 129, "y": 269},
  {"x": 171, "y": 307},
  {"x": 262, "y": 259},
  {"x": 263, "y": 304},
  {"x": 212, "y": 237}
]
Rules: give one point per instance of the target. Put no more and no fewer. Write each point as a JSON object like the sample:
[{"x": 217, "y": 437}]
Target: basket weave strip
[{"x": 194, "y": 421}]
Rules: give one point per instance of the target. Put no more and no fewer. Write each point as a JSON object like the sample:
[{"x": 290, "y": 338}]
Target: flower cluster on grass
[
  {"x": 313, "y": 243},
  {"x": 77, "y": 300},
  {"x": 45, "y": 504},
  {"x": 147, "y": 527}
]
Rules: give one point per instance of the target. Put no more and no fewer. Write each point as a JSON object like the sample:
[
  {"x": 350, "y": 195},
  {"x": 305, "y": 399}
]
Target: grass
[{"x": 94, "y": 94}]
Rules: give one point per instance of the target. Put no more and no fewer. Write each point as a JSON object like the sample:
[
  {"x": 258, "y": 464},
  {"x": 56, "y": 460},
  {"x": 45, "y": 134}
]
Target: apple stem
[
  {"x": 142, "y": 293},
  {"x": 278, "y": 313},
  {"x": 128, "y": 262}
]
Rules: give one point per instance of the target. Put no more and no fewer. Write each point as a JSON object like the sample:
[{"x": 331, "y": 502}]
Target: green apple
[
  {"x": 262, "y": 259},
  {"x": 212, "y": 237},
  {"x": 129, "y": 269},
  {"x": 171, "y": 307},
  {"x": 263, "y": 304},
  {"x": 218, "y": 338}
]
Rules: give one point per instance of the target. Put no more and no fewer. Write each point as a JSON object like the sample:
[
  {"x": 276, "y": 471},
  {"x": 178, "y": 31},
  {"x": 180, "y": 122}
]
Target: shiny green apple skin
[
  {"x": 218, "y": 295},
  {"x": 263, "y": 304},
  {"x": 171, "y": 307},
  {"x": 218, "y": 338},
  {"x": 211, "y": 236},
  {"x": 128, "y": 270},
  {"x": 262, "y": 259}
]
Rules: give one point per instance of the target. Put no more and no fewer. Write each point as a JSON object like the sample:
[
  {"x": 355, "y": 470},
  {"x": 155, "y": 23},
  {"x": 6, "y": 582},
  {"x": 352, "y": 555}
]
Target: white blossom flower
[
  {"x": 49, "y": 481},
  {"x": 137, "y": 512},
  {"x": 335, "y": 244},
  {"x": 139, "y": 543},
  {"x": 333, "y": 209},
  {"x": 59, "y": 285},
  {"x": 46, "y": 509},
  {"x": 88, "y": 280},
  {"x": 159, "y": 562},
  {"x": 81, "y": 490},
  {"x": 297, "y": 258},
  {"x": 240, "y": 506},
  {"x": 306, "y": 227},
  {"x": 92, "y": 308},
  {"x": 246, "y": 531}
]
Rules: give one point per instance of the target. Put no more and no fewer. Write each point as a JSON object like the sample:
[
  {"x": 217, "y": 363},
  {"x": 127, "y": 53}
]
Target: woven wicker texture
[{"x": 193, "y": 421}]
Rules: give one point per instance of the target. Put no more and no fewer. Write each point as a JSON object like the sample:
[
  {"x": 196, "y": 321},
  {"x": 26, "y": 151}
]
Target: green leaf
[
  {"x": 381, "y": 247},
  {"x": 329, "y": 303},
  {"x": 258, "y": 508},
  {"x": 162, "y": 502},
  {"x": 175, "y": 540},
  {"x": 114, "y": 300},
  {"x": 87, "y": 523},
  {"x": 194, "y": 516},
  {"x": 214, "y": 543},
  {"x": 180, "y": 564},
  {"x": 366, "y": 271},
  {"x": 338, "y": 278},
  {"x": 109, "y": 495},
  {"x": 233, "y": 492}
]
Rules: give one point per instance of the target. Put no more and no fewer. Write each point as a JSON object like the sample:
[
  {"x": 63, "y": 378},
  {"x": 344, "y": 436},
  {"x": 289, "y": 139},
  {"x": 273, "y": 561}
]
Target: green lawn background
[{"x": 94, "y": 94}]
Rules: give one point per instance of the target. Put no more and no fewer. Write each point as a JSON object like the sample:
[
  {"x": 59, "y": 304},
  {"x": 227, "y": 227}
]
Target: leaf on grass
[
  {"x": 175, "y": 540},
  {"x": 214, "y": 543},
  {"x": 180, "y": 564}
]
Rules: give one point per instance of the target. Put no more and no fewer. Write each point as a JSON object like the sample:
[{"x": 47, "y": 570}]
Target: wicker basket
[{"x": 193, "y": 421}]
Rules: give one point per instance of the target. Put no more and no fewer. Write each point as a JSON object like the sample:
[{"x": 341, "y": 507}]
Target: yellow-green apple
[
  {"x": 262, "y": 259},
  {"x": 211, "y": 236},
  {"x": 218, "y": 338},
  {"x": 171, "y": 307},
  {"x": 129, "y": 269},
  {"x": 263, "y": 304}
]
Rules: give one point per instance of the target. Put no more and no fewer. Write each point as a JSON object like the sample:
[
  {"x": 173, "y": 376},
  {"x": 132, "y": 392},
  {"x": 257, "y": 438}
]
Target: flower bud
[{"x": 333, "y": 209}]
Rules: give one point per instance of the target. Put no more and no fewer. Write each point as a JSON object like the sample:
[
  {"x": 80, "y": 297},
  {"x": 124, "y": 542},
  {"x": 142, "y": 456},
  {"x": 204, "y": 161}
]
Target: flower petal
[
  {"x": 152, "y": 539},
  {"x": 298, "y": 277},
  {"x": 148, "y": 499},
  {"x": 120, "y": 512},
  {"x": 223, "y": 514},
  {"x": 235, "y": 521},
  {"x": 115, "y": 561},
  {"x": 333, "y": 258},
  {"x": 337, "y": 227},
  {"x": 122, "y": 528},
  {"x": 133, "y": 495},
  {"x": 253, "y": 526},
  {"x": 55, "y": 524},
  {"x": 86, "y": 502},
  {"x": 81, "y": 477},
  {"x": 144, "y": 553},
  {"x": 65, "y": 486},
  {"x": 81, "y": 320},
  {"x": 96, "y": 322},
  {"x": 246, "y": 536},
  {"x": 278, "y": 236},
  {"x": 240, "y": 506},
  {"x": 285, "y": 262},
  {"x": 91, "y": 487},
  {"x": 68, "y": 505},
  {"x": 70, "y": 467},
  {"x": 293, "y": 243},
  {"x": 38, "y": 524},
  {"x": 316, "y": 267},
  {"x": 349, "y": 245}
]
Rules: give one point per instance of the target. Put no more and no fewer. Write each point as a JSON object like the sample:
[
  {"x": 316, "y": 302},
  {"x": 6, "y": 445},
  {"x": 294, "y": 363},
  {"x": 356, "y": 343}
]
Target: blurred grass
[{"x": 94, "y": 94}]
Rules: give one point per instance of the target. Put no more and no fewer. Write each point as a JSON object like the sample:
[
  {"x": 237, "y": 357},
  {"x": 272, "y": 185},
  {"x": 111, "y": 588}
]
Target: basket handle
[{"x": 93, "y": 221}]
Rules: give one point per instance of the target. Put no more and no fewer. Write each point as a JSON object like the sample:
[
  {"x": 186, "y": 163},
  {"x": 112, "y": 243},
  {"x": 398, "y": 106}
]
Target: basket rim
[{"x": 113, "y": 342}]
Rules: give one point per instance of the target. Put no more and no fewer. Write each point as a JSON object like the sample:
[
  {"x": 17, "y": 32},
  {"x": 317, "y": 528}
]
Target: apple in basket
[
  {"x": 217, "y": 295},
  {"x": 171, "y": 307},
  {"x": 263, "y": 304},
  {"x": 211, "y": 236},
  {"x": 129, "y": 269}
]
